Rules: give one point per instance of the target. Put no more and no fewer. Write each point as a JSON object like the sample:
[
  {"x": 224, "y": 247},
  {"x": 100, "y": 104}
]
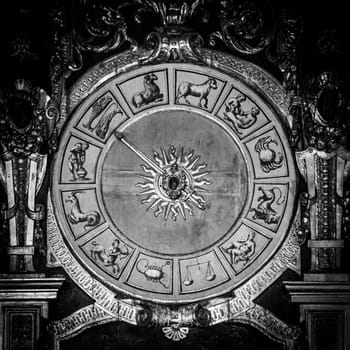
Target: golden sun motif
[{"x": 174, "y": 186}]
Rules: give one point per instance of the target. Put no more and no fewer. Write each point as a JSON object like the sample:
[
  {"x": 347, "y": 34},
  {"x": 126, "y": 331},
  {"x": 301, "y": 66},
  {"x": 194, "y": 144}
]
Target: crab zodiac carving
[
  {"x": 269, "y": 158},
  {"x": 239, "y": 118},
  {"x": 264, "y": 210}
]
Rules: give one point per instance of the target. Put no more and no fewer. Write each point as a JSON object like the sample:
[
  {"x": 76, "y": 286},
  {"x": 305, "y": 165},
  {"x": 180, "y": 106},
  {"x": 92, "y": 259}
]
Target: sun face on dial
[{"x": 173, "y": 182}]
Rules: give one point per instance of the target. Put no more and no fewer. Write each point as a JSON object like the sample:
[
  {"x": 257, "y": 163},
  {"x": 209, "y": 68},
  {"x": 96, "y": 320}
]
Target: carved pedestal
[
  {"x": 24, "y": 309},
  {"x": 325, "y": 310}
]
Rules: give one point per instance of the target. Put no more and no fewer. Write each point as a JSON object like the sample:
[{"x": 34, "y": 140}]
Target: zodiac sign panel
[
  {"x": 145, "y": 91},
  {"x": 79, "y": 161},
  {"x": 197, "y": 90},
  {"x": 241, "y": 113},
  {"x": 150, "y": 273},
  {"x": 102, "y": 117},
  {"x": 81, "y": 211},
  {"x": 268, "y": 156},
  {"x": 108, "y": 252},
  {"x": 244, "y": 247},
  {"x": 268, "y": 204},
  {"x": 201, "y": 272}
]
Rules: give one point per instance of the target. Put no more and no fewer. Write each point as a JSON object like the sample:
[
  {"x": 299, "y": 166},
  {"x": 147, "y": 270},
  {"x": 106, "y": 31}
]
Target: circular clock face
[{"x": 174, "y": 183}]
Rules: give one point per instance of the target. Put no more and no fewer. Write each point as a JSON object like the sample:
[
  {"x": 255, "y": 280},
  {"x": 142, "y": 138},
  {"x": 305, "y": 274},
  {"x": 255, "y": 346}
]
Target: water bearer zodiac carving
[
  {"x": 242, "y": 250},
  {"x": 240, "y": 118},
  {"x": 76, "y": 160},
  {"x": 76, "y": 215},
  {"x": 111, "y": 256},
  {"x": 269, "y": 158},
  {"x": 264, "y": 210},
  {"x": 202, "y": 91},
  {"x": 151, "y": 92}
]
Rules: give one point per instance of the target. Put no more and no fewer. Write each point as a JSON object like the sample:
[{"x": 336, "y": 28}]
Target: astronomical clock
[{"x": 174, "y": 185}]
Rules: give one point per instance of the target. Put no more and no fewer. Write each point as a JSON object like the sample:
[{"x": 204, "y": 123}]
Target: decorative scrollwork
[
  {"x": 101, "y": 28},
  {"x": 244, "y": 27},
  {"x": 172, "y": 14}
]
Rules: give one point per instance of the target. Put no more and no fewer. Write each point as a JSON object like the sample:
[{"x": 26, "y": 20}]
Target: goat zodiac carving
[
  {"x": 202, "y": 91},
  {"x": 76, "y": 215}
]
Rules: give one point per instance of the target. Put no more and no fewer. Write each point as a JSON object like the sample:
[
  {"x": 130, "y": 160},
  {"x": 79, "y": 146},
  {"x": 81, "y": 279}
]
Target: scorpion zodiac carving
[
  {"x": 242, "y": 250},
  {"x": 264, "y": 210},
  {"x": 197, "y": 90},
  {"x": 269, "y": 158},
  {"x": 151, "y": 92},
  {"x": 239, "y": 118},
  {"x": 111, "y": 256},
  {"x": 76, "y": 215},
  {"x": 153, "y": 273}
]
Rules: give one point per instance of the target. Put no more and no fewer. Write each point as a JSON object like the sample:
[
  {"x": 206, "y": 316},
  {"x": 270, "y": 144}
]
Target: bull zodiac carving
[
  {"x": 202, "y": 91},
  {"x": 151, "y": 92},
  {"x": 76, "y": 215},
  {"x": 264, "y": 210},
  {"x": 239, "y": 118},
  {"x": 242, "y": 250},
  {"x": 269, "y": 158}
]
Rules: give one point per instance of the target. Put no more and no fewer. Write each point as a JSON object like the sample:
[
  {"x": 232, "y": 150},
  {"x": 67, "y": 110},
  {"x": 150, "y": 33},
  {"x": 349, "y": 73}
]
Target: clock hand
[{"x": 139, "y": 153}]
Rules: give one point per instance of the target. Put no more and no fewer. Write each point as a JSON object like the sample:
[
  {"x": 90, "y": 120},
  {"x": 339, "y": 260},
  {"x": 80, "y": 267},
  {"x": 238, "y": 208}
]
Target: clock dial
[{"x": 174, "y": 183}]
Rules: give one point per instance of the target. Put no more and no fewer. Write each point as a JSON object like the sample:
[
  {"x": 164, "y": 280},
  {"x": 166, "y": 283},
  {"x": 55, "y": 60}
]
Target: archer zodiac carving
[
  {"x": 264, "y": 210},
  {"x": 76, "y": 215},
  {"x": 153, "y": 273},
  {"x": 269, "y": 158},
  {"x": 151, "y": 92},
  {"x": 202, "y": 91},
  {"x": 239, "y": 118},
  {"x": 111, "y": 256},
  {"x": 97, "y": 108},
  {"x": 76, "y": 160},
  {"x": 242, "y": 250}
]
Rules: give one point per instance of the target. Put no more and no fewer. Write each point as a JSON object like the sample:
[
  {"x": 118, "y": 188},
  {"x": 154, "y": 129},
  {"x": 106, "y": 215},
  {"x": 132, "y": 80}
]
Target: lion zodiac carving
[{"x": 264, "y": 210}]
